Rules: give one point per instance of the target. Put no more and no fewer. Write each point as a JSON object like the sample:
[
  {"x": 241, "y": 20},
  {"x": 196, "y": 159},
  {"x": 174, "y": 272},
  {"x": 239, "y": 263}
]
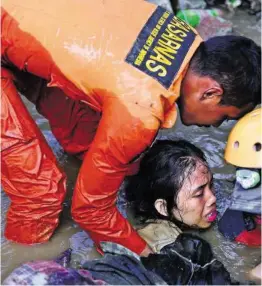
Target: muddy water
[{"x": 237, "y": 258}]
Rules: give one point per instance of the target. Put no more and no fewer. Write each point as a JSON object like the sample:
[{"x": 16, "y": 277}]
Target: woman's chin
[{"x": 204, "y": 224}]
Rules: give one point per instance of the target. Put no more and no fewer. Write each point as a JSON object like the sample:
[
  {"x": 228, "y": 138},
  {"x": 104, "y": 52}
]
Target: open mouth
[{"x": 212, "y": 216}]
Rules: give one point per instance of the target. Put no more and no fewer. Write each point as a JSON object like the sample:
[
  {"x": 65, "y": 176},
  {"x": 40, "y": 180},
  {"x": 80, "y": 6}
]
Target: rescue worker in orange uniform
[{"x": 107, "y": 75}]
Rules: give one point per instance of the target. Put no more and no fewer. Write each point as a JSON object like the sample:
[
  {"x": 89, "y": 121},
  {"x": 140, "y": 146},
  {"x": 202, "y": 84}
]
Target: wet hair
[
  {"x": 235, "y": 63},
  {"x": 162, "y": 173}
]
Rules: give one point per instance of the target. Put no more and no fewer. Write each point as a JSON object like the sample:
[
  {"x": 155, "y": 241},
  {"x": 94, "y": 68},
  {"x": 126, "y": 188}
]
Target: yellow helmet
[{"x": 243, "y": 147}]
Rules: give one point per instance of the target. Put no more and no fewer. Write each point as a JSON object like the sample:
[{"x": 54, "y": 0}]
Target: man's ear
[
  {"x": 213, "y": 93},
  {"x": 160, "y": 206}
]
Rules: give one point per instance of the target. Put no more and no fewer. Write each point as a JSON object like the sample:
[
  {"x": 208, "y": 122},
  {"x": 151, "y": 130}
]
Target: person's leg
[
  {"x": 31, "y": 176},
  {"x": 72, "y": 122}
]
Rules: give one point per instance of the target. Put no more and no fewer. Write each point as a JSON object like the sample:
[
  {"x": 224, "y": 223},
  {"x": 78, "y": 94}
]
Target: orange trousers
[{"x": 31, "y": 176}]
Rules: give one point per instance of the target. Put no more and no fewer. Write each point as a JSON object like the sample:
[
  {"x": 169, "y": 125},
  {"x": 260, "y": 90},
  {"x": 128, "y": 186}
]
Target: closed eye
[{"x": 199, "y": 193}]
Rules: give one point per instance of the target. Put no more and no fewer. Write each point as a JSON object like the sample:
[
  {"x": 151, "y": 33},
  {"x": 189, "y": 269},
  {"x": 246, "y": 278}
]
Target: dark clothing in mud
[
  {"x": 188, "y": 261},
  {"x": 122, "y": 270},
  {"x": 234, "y": 223}
]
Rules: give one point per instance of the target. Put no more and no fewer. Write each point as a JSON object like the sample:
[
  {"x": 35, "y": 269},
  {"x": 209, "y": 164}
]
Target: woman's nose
[{"x": 211, "y": 198}]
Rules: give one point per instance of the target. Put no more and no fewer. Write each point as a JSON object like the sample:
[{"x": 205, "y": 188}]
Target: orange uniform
[{"x": 125, "y": 60}]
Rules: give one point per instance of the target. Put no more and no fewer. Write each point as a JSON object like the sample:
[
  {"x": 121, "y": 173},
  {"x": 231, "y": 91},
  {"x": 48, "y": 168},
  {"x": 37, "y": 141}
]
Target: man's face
[{"x": 199, "y": 103}]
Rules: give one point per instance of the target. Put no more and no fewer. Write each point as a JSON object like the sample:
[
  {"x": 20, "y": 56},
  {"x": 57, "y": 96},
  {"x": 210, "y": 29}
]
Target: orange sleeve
[{"x": 123, "y": 133}]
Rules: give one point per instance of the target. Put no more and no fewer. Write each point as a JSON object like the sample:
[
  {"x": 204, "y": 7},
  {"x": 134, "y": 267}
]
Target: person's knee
[{"x": 72, "y": 122}]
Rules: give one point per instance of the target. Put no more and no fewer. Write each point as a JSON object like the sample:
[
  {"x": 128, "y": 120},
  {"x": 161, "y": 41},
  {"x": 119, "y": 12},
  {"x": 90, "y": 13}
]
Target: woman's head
[{"x": 174, "y": 183}]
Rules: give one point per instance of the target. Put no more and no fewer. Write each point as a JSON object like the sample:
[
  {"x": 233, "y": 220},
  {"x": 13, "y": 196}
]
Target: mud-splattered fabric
[
  {"x": 119, "y": 266},
  {"x": 188, "y": 261},
  {"x": 159, "y": 233},
  {"x": 49, "y": 273}
]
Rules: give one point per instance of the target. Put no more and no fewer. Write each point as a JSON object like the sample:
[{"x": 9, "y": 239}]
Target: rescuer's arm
[{"x": 123, "y": 133}]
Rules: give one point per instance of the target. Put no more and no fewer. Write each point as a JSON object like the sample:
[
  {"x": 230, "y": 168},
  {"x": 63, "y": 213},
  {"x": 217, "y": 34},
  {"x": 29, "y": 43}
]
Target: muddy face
[{"x": 196, "y": 202}]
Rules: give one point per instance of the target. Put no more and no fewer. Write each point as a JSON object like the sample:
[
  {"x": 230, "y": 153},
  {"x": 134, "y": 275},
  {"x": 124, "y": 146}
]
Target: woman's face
[{"x": 196, "y": 203}]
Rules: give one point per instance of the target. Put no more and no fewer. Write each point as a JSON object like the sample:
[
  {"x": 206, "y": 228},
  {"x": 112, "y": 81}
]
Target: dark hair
[
  {"x": 235, "y": 63},
  {"x": 162, "y": 173}
]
